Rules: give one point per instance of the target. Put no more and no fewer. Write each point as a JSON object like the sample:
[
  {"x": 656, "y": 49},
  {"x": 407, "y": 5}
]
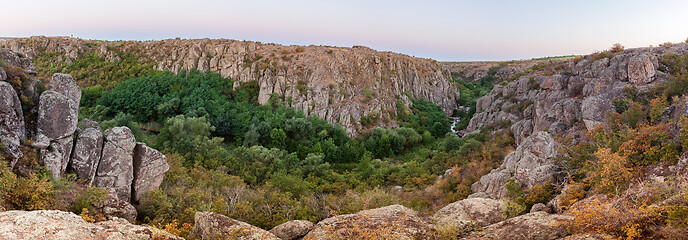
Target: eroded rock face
[
  {"x": 87, "y": 150},
  {"x": 210, "y": 225},
  {"x": 65, "y": 84},
  {"x": 58, "y": 225},
  {"x": 116, "y": 168},
  {"x": 596, "y": 110},
  {"x": 12, "y": 130},
  {"x": 396, "y": 221},
  {"x": 478, "y": 211},
  {"x": 642, "y": 68},
  {"x": 530, "y": 164},
  {"x": 56, "y": 157},
  {"x": 57, "y": 115},
  {"x": 532, "y": 226},
  {"x": 19, "y": 60},
  {"x": 318, "y": 80},
  {"x": 293, "y": 229},
  {"x": 149, "y": 168}
]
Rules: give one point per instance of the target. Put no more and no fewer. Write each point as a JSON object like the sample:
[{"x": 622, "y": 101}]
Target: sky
[{"x": 459, "y": 30}]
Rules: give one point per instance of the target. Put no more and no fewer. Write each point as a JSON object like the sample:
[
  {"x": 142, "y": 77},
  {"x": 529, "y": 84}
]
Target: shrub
[
  {"x": 33, "y": 192},
  {"x": 610, "y": 174}
]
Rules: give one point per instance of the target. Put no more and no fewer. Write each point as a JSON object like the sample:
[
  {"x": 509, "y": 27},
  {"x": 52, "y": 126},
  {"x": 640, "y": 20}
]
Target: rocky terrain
[
  {"x": 340, "y": 85},
  {"x": 111, "y": 160}
]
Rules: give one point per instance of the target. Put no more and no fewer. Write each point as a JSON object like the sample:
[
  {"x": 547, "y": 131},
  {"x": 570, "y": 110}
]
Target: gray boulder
[
  {"x": 397, "y": 221},
  {"x": 11, "y": 122},
  {"x": 293, "y": 229},
  {"x": 642, "y": 69},
  {"x": 540, "y": 207},
  {"x": 149, "y": 170},
  {"x": 121, "y": 209},
  {"x": 18, "y": 60},
  {"x": 532, "y": 226},
  {"x": 595, "y": 111},
  {"x": 57, "y": 115},
  {"x": 471, "y": 212},
  {"x": 65, "y": 84},
  {"x": 116, "y": 170},
  {"x": 56, "y": 157},
  {"x": 87, "y": 150},
  {"x": 3, "y": 75},
  {"x": 532, "y": 163},
  {"x": 210, "y": 225}
]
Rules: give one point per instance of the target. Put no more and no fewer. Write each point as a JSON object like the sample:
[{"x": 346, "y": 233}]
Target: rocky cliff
[{"x": 338, "y": 84}]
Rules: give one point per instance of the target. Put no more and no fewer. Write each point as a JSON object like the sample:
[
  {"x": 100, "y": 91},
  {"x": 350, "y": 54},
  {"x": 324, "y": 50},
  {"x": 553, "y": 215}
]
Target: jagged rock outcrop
[
  {"x": 116, "y": 167},
  {"x": 12, "y": 130},
  {"x": 394, "y": 222},
  {"x": 87, "y": 150},
  {"x": 210, "y": 225},
  {"x": 293, "y": 229},
  {"x": 55, "y": 158},
  {"x": 532, "y": 163},
  {"x": 149, "y": 168},
  {"x": 531, "y": 226},
  {"x": 319, "y": 80},
  {"x": 471, "y": 212},
  {"x": 19, "y": 60},
  {"x": 58, "y": 225},
  {"x": 65, "y": 84},
  {"x": 580, "y": 90}
]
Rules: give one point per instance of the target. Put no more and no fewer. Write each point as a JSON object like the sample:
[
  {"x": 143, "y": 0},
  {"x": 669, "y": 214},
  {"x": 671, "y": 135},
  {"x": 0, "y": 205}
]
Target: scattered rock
[
  {"x": 57, "y": 115},
  {"x": 58, "y": 225},
  {"x": 540, "y": 207},
  {"x": 531, "y": 226},
  {"x": 65, "y": 84},
  {"x": 293, "y": 229},
  {"x": 87, "y": 150},
  {"x": 210, "y": 225},
  {"x": 55, "y": 158},
  {"x": 149, "y": 170},
  {"x": 12, "y": 130},
  {"x": 474, "y": 211},
  {"x": 394, "y": 222},
  {"x": 115, "y": 208},
  {"x": 116, "y": 169},
  {"x": 530, "y": 164}
]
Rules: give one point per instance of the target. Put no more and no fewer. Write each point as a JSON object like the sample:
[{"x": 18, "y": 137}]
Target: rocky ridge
[{"x": 319, "y": 80}]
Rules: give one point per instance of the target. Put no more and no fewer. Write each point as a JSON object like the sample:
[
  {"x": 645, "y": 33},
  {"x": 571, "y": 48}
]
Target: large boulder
[
  {"x": 392, "y": 222},
  {"x": 293, "y": 229},
  {"x": 472, "y": 211},
  {"x": 532, "y": 226},
  {"x": 114, "y": 208},
  {"x": 532, "y": 163},
  {"x": 11, "y": 122},
  {"x": 116, "y": 169},
  {"x": 57, "y": 115},
  {"x": 87, "y": 150},
  {"x": 55, "y": 158},
  {"x": 58, "y": 225},
  {"x": 149, "y": 169},
  {"x": 65, "y": 84},
  {"x": 642, "y": 69},
  {"x": 595, "y": 111},
  {"x": 3, "y": 74},
  {"x": 210, "y": 225}
]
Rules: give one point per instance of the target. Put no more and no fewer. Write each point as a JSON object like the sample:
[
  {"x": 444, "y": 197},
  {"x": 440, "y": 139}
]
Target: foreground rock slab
[
  {"x": 532, "y": 226},
  {"x": 58, "y": 225},
  {"x": 210, "y": 225},
  {"x": 391, "y": 222}
]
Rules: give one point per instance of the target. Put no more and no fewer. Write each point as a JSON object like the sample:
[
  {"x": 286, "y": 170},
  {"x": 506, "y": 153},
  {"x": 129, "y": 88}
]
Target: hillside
[{"x": 340, "y": 85}]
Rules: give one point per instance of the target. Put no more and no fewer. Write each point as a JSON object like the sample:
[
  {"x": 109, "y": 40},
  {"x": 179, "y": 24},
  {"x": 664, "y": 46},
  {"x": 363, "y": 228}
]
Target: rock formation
[
  {"x": 149, "y": 169},
  {"x": 319, "y": 80},
  {"x": 395, "y": 222},
  {"x": 532, "y": 163},
  {"x": 293, "y": 229},
  {"x": 210, "y": 225},
  {"x": 116, "y": 167},
  {"x": 12, "y": 130},
  {"x": 87, "y": 150},
  {"x": 478, "y": 212},
  {"x": 58, "y": 225},
  {"x": 531, "y": 226}
]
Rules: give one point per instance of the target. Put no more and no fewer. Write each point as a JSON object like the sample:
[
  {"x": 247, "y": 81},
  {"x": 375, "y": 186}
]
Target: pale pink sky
[{"x": 438, "y": 29}]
